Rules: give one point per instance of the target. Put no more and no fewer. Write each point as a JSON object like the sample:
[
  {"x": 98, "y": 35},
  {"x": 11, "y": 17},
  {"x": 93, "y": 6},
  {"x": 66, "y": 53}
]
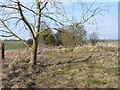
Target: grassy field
[
  {"x": 79, "y": 67},
  {"x": 11, "y": 45},
  {"x": 110, "y": 43}
]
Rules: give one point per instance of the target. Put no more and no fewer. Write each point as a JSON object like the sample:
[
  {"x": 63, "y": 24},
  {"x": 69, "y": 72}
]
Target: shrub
[
  {"x": 72, "y": 35},
  {"x": 50, "y": 40},
  {"x": 93, "y": 37},
  {"x": 47, "y": 38}
]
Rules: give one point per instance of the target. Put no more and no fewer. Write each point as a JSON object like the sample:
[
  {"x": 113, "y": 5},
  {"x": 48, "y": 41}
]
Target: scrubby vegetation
[
  {"x": 79, "y": 67},
  {"x": 93, "y": 38}
]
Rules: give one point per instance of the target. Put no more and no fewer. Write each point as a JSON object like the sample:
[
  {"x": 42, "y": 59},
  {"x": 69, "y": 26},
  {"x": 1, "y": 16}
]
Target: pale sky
[{"x": 107, "y": 25}]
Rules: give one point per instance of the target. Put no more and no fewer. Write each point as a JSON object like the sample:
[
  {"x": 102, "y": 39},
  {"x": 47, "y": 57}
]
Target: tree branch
[
  {"x": 11, "y": 18},
  {"x": 44, "y": 6},
  {"x": 6, "y": 35},
  {"x": 5, "y": 31},
  {"x": 28, "y": 8},
  {"x": 25, "y": 20},
  {"x": 52, "y": 19},
  {"x": 12, "y": 33},
  {"x": 4, "y": 6}
]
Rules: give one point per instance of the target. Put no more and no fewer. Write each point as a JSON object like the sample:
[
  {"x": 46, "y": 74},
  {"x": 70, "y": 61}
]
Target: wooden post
[{"x": 2, "y": 50}]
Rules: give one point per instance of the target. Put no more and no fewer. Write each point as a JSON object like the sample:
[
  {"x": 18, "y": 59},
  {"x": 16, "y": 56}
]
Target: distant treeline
[
  {"x": 100, "y": 40},
  {"x": 107, "y": 40},
  {"x": 11, "y": 40}
]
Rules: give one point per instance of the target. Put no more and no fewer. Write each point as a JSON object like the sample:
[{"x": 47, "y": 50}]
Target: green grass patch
[
  {"x": 11, "y": 45},
  {"x": 25, "y": 66},
  {"x": 25, "y": 75},
  {"x": 112, "y": 71},
  {"x": 93, "y": 81}
]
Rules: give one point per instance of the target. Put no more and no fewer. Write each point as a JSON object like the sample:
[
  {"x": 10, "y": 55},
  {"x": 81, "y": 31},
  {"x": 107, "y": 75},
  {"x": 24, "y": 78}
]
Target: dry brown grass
[{"x": 78, "y": 67}]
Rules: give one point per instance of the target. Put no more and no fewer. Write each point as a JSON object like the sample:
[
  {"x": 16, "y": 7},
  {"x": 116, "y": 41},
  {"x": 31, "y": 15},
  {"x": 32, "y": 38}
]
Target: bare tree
[
  {"x": 89, "y": 13},
  {"x": 29, "y": 17},
  {"x": 16, "y": 11}
]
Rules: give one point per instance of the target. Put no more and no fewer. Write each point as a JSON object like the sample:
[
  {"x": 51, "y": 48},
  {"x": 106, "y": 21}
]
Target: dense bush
[
  {"x": 47, "y": 38},
  {"x": 50, "y": 40},
  {"x": 72, "y": 35}
]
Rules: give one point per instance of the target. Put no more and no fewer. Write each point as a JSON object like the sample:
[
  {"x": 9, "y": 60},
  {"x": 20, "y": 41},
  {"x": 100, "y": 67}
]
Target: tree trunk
[
  {"x": 33, "y": 60},
  {"x": 36, "y": 34}
]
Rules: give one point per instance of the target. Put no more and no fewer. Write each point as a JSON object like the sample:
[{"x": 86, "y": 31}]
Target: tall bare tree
[
  {"x": 16, "y": 15},
  {"x": 18, "y": 12}
]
